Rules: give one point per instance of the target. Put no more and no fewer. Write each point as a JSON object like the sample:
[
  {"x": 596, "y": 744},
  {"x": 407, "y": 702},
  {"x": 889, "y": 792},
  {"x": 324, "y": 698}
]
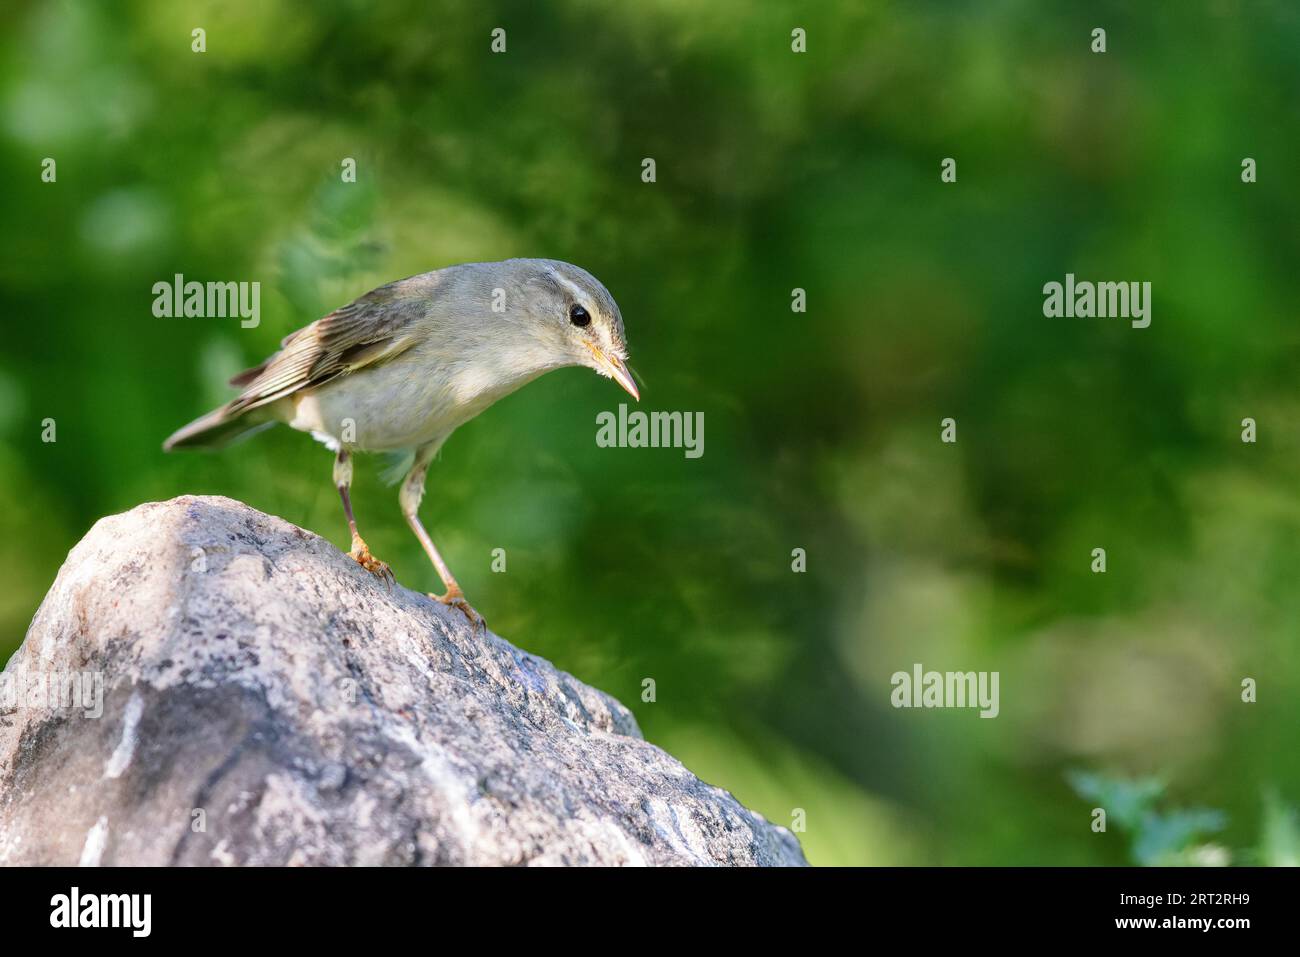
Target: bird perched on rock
[{"x": 400, "y": 368}]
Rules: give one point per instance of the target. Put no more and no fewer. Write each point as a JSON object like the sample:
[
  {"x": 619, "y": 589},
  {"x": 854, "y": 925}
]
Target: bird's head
[{"x": 578, "y": 318}]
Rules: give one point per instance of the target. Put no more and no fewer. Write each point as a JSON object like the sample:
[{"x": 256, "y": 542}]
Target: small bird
[{"x": 400, "y": 368}]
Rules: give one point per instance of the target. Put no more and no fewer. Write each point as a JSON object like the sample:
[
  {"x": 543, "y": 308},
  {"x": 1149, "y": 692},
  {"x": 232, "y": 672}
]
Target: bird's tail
[{"x": 218, "y": 429}]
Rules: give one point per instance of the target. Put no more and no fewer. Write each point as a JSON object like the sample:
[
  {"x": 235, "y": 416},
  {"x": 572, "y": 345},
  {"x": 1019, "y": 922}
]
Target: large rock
[{"x": 266, "y": 701}]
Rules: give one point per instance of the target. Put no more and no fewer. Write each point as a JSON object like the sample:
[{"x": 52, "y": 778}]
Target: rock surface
[{"x": 266, "y": 701}]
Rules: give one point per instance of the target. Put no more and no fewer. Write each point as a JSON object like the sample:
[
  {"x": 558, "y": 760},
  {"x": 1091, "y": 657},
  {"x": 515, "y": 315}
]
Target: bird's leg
[
  {"x": 411, "y": 494},
  {"x": 360, "y": 551}
]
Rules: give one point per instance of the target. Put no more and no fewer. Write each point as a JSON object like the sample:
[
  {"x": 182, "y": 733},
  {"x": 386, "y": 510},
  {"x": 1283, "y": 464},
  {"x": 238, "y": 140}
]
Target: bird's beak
[{"x": 615, "y": 368}]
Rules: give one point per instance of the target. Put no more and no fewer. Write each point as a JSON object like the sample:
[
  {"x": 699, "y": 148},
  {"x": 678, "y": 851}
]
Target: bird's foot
[
  {"x": 455, "y": 598},
  {"x": 361, "y": 555}
]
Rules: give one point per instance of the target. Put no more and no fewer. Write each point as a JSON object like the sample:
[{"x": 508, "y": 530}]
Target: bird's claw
[
  {"x": 361, "y": 555},
  {"x": 455, "y": 598}
]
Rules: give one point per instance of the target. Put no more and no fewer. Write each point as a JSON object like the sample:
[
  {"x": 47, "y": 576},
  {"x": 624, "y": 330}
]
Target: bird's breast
[{"x": 401, "y": 405}]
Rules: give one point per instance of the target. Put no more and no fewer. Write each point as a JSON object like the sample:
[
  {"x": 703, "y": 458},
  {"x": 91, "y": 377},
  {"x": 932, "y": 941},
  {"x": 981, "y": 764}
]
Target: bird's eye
[{"x": 579, "y": 316}]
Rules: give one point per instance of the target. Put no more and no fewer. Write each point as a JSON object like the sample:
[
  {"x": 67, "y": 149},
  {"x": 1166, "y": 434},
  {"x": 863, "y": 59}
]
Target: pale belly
[{"x": 388, "y": 408}]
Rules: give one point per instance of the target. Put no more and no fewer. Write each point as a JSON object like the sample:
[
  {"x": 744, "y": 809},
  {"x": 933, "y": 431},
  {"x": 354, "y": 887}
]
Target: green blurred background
[{"x": 775, "y": 170}]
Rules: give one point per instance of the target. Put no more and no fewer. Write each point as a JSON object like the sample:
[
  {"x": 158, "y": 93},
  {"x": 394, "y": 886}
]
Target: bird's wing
[{"x": 375, "y": 328}]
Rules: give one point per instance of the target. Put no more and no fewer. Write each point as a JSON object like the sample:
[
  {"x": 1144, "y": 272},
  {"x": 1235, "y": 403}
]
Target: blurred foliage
[
  {"x": 1279, "y": 844},
  {"x": 1160, "y": 837},
  {"x": 775, "y": 170},
  {"x": 1178, "y": 837}
]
